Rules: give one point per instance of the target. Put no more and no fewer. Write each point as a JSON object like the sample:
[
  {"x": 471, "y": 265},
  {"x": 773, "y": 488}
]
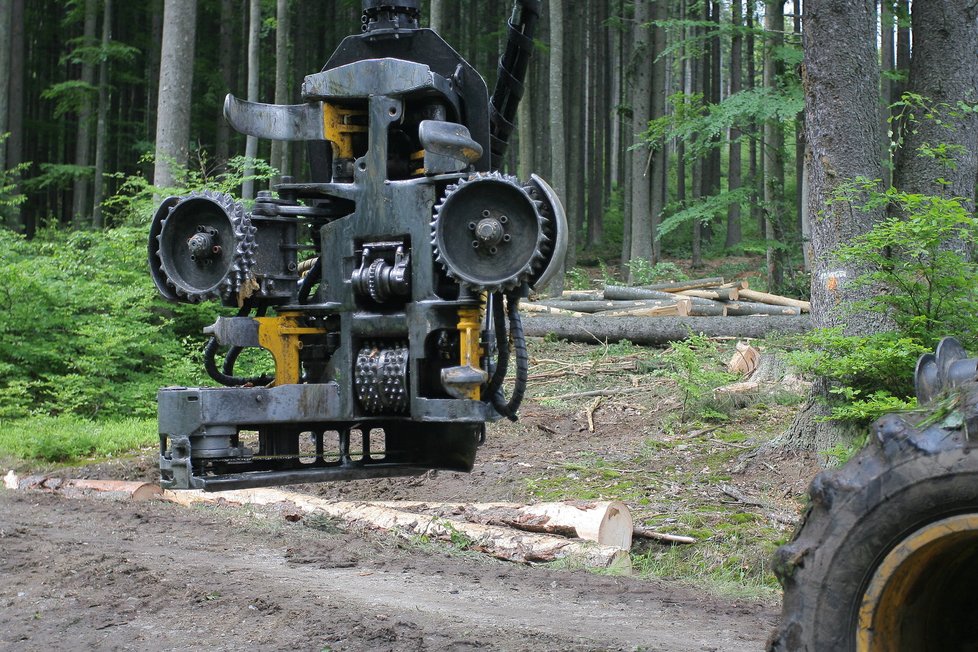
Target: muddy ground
[{"x": 92, "y": 573}]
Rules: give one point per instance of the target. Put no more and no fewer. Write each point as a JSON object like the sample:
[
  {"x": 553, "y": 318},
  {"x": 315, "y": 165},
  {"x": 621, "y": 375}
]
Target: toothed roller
[
  {"x": 202, "y": 246},
  {"x": 488, "y": 232}
]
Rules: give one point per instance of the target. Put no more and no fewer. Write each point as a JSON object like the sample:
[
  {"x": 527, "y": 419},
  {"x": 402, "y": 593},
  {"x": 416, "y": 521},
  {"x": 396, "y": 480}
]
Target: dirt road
[{"x": 96, "y": 574}]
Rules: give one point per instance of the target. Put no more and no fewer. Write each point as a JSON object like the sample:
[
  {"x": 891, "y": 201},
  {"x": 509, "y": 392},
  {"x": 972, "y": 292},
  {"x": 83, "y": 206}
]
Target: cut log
[
  {"x": 606, "y": 522},
  {"x": 603, "y": 306},
  {"x": 712, "y": 309},
  {"x": 741, "y": 308},
  {"x": 627, "y": 293},
  {"x": 528, "y": 306},
  {"x": 672, "y": 310},
  {"x": 580, "y": 295},
  {"x": 132, "y": 490},
  {"x": 502, "y": 542},
  {"x": 691, "y": 284},
  {"x": 659, "y": 331},
  {"x": 717, "y": 294},
  {"x": 775, "y": 300}
]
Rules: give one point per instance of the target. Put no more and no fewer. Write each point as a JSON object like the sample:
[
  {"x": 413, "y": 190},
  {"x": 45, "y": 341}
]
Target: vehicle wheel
[{"x": 886, "y": 556}]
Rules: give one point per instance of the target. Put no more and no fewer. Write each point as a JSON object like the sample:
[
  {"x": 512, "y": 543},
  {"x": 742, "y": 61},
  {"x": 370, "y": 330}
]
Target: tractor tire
[{"x": 886, "y": 556}]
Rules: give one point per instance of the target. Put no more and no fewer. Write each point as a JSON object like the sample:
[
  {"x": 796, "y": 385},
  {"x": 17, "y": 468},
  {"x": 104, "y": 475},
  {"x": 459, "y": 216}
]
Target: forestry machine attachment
[
  {"x": 386, "y": 288},
  {"x": 886, "y": 556}
]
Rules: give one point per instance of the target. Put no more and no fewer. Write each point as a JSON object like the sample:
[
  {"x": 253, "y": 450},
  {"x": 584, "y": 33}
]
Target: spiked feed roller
[{"x": 386, "y": 288}]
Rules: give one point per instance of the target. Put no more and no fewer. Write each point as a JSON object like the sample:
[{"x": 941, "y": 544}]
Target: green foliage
[
  {"x": 70, "y": 439},
  {"x": 642, "y": 272},
  {"x": 927, "y": 288},
  {"x": 577, "y": 279},
  {"x": 82, "y": 331},
  {"x": 10, "y": 195},
  {"x": 695, "y": 366},
  {"x": 138, "y": 198}
]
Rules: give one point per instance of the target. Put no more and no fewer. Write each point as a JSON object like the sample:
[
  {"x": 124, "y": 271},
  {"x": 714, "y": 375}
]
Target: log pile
[{"x": 710, "y": 306}]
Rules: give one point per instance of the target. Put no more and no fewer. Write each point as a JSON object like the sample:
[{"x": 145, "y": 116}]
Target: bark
[
  {"x": 5, "y": 39},
  {"x": 280, "y": 148},
  {"x": 501, "y": 542},
  {"x": 222, "y": 147},
  {"x": 774, "y": 203},
  {"x": 15, "y": 123},
  {"x": 176, "y": 80},
  {"x": 574, "y": 71},
  {"x": 754, "y": 172},
  {"x": 83, "y": 135},
  {"x": 102, "y": 128},
  {"x": 843, "y": 134},
  {"x": 943, "y": 71},
  {"x": 641, "y": 93},
  {"x": 887, "y": 67},
  {"x": 254, "y": 44},
  {"x": 629, "y": 293},
  {"x": 597, "y": 306},
  {"x": 558, "y": 145},
  {"x": 438, "y": 15},
  {"x": 659, "y": 330},
  {"x": 734, "y": 182},
  {"x": 660, "y": 161},
  {"x": 743, "y": 308}
]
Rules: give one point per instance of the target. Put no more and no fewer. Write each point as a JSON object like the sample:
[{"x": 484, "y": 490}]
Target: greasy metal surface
[
  {"x": 922, "y": 573},
  {"x": 379, "y": 337}
]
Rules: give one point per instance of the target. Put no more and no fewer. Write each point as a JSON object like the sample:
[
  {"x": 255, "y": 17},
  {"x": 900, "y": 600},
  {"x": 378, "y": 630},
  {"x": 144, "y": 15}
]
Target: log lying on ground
[
  {"x": 740, "y": 308},
  {"x": 670, "y": 310},
  {"x": 580, "y": 295},
  {"x": 606, "y": 522},
  {"x": 717, "y": 294},
  {"x": 691, "y": 284},
  {"x": 529, "y": 306},
  {"x": 596, "y": 328},
  {"x": 712, "y": 309},
  {"x": 774, "y": 299},
  {"x": 119, "y": 488},
  {"x": 502, "y": 542},
  {"x": 627, "y": 293},
  {"x": 605, "y": 306}
]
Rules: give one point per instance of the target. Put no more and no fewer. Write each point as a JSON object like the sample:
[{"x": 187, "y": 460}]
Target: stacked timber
[{"x": 699, "y": 305}]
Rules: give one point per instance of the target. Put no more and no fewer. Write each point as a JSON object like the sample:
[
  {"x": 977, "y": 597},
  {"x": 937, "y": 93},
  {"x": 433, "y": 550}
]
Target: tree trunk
[
  {"x": 656, "y": 331},
  {"x": 574, "y": 70},
  {"x": 660, "y": 160},
  {"x": 102, "y": 128},
  {"x": 254, "y": 45},
  {"x": 176, "y": 80},
  {"x": 558, "y": 145},
  {"x": 774, "y": 148},
  {"x": 943, "y": 72},
  {"x": 843, "y": 134},
  {"x": 280, "y": 148},
  {"x": 222, "y": 148},
  {"x": 437, "y": 22},
  {"x": 15, "y": 101},
  {"x": 734, "y": 233},
  {"x": 641, "y": 231},
  {"x": 83, "y": 136},
  {"x": 5, "y": 39},
  {"x": 754, "y": 171},
  {"x": 887, "y": 68}
]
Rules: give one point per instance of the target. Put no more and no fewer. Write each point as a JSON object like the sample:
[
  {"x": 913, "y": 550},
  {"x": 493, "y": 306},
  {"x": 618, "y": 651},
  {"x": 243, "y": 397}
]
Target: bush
[{"x": 82, "y": 330}]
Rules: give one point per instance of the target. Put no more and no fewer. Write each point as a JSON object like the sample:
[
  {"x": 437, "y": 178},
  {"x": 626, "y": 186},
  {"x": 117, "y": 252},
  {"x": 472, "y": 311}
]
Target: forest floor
[{"x": 155, "y": 576}]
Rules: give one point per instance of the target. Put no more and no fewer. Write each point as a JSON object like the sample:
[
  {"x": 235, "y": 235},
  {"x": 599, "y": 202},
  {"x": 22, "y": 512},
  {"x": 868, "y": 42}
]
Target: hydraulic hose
[
  {"x": 502, "y": 347},
  {"x": 225, "y": 375},
  {"x": 509, "y": 408},
  {"x": 310, "y": 280}
]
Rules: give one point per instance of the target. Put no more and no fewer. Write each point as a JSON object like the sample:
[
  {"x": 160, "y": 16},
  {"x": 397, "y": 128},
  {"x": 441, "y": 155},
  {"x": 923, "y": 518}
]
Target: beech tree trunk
[
  {"x": 280, "y": 148},
  {"x": 774, "y": 149},
  {"x": 558, "y": 144},
  {"x": 15, "y": 105},
  {"x": 176, "y": 81},
  {"x": 734, "y": 233},
  {"x": 660, "y": 160},
  {"x": 222, "y": 147}
]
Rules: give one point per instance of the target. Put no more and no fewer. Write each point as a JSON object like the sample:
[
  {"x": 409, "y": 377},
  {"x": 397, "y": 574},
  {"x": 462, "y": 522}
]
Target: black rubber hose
[
  {"x": 509, "y": 408},
  {"x": 310, "y": 280},
  {"x": 502, "y": 349},
  {"x": 210, "y": 362},
  {"x": 232, "y": 355}
]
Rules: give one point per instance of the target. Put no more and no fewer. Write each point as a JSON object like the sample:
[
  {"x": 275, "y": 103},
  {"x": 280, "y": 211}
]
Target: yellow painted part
[
  {"x": 337, "y": 130},
  {"x": 280, "y": 337},
  {"x": 914, "y": 558},
  {"x": 469, "y": 321}
]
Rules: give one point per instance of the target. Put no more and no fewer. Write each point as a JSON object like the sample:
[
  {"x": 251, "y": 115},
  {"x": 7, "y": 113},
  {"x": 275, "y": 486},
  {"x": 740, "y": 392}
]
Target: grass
[{"x": 64, "y": 440}]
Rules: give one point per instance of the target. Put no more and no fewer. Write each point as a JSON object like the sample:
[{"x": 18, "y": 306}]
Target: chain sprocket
[
  {"x": 488, "y": 232},
  {"x": 204, "y": 247}
]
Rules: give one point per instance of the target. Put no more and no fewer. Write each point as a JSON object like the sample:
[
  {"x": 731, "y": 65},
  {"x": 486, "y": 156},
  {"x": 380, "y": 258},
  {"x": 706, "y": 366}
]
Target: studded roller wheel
[
  {"x": 381, "y": 378},
  {"x": 488, "y": 232},
  {"x": 202, "y": 246},
  {"x": 886, "y": 557}
]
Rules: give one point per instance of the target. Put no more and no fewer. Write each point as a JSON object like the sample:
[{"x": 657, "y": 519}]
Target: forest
[{"x": 676, "y": 131}]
